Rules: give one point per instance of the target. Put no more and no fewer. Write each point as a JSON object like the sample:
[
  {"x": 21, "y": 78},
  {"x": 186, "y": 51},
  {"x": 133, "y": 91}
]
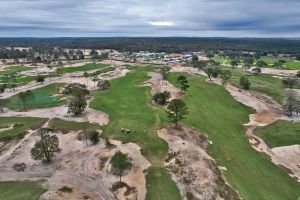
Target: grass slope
[
  {"x": 22, "y": 124},
  {"x": 86, "y": 67},
  {"x": 43, "y": 97},
  {"x": 129, "y": 106},
  {"x": 280, "y": 133},
  {"x": 262, "y": 83},
  {"x": 214, "y": 112},
  {"x": 27, "y": 190}
]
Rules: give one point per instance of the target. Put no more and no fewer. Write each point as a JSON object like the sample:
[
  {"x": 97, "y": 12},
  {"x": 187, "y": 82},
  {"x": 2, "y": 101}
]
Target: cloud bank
[{"x": 110, "y": 18}]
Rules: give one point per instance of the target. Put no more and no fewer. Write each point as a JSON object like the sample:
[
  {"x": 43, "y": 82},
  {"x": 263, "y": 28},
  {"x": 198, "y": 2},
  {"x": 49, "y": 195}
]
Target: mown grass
[
  {"x": 27, "y": 190},
  {"x": 86, "y": 67},
  {"x": 290, "y": 64},
  {"x": 221, "y": 59},
  {"x": 42, "y": 97},
  {"x": 155, "y": 179},
  {"x": 129, "y": 106},
  {"x": 214, "y": 112},
  {"x": 280, "y": 133},
  {"x": 21, "y": 125},
  {"x": 71, "y": 125},
  {"x": 12, "y": 69}
]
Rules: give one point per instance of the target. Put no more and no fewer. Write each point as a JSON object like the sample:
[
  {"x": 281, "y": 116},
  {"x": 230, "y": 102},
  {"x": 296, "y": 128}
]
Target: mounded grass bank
[
  {"x": 20, "y": 125},
  {"x": 213, "y": 111},
  {"x": 27, "y": 190},
  {"x": 43, "y": 97},
  {"x": 71, "y": 125},
  {"x": 280, "y": 133}
]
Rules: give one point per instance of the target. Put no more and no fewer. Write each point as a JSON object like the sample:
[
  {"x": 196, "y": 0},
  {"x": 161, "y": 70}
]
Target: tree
[
  {"x": 245, "y": 82},
  {"x": 86, "y": 75},
  {"x": 184, "y": 83},
  {"x": 164, "y": 72},
  {"x": 195, "y": 58},
  {"x": 161, "y": 98},
  {"x": 234, "y": 63},
  {"x": 289, "y": 82},
  {"x": 94, "y": 136},
  {"x": 212, "y": 72},
  {"x": 45, "y": 148},
  {"x": 298, "y": 74},
  {"x": 225, "y": 75},
  {"x": 49, "y": 72},
  {"x": 103, "y": 85},
  {"x": 25, "y": 99},
  {"x": 261, "y": 63},
  {"x": 40, "y": 79},
  {"x": 2, "y": 104},
  {"x": 77, "y": 102},
  {"x": 120, "y": 163},
  {"x": 291, "y": 104},
  {"x": 176, "y": 111},
  {"x": 201, "y": 64},
  {"x": 2, "y": 87},
  {"x": 95, "y": 79}
]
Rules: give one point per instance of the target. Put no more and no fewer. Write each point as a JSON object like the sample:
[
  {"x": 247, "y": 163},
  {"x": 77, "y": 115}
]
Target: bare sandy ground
[
  {"x": 194, "y": 171},
  {"x": 84, "y": 168},
  {"x": 277, "y": 72},
  {"x": 157, "y": 84}
]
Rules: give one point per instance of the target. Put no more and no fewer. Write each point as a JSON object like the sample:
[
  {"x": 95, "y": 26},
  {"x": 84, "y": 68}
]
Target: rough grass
[
  {"x": 22, "y": 124},
  {"x": 11, "y": 69},
  {"x": 214, "y": 112},
  {"x": 156, "y": 178},
  {"x": 70, "y": 125},
  {"x": 42, "y": 97},
  {"x": 27, "y": 190},
  {"x": 280, "y": 133}
]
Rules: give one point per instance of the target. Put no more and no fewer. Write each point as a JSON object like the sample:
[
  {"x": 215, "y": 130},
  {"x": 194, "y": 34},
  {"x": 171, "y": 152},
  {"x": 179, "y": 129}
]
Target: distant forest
[{"x": 291, "y": 46}]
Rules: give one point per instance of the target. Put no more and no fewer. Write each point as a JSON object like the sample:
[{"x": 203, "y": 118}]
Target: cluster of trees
[{"x": 228, "y": 45}]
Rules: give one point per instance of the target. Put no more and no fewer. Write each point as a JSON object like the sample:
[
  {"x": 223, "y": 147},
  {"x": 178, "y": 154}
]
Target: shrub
[
  {"x": 103, "y": 84},
  {"x": 94, "y": 136},
  {"x": 66, "y": 189},
  {"x": 161, "y": 98},
  {"x": 245, "y": 82}
]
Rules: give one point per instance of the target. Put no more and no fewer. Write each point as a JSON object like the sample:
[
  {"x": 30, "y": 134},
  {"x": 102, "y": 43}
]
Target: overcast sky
[{"x": 105, "y": 18}]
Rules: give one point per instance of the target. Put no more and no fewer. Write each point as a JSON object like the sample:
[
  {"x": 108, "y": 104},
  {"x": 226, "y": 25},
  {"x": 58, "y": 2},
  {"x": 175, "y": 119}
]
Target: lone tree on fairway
[
  {"x": 184, "y": 83},
  {"x": 77, "y": 102},
  {"x": 45, "y": 148},
  {"x": 120, "y": 163},
  {"x": 245, "y": 82},
  {"x": 176, "y": 111},
  {"x": 212, "y": 72}
]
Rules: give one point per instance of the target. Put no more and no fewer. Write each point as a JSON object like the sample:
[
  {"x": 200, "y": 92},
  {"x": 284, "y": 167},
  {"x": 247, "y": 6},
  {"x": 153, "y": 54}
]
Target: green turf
[
  {"x": 70, "y": 125},
  {"x": 11, "y": 69},
  {"x": 86, "y": 67},
  {"x": 214, "y": 112},
  {"x": 129, "y": 106},
  {"x": 22, "y": 124},
  {"x": 157, "y": 177},
  {"x": 280, "y": 133},
  {"x": 262, "y": 83},
  {"x": 42, "y": 97},
  {"x": 27, "y": 190},
  {"x": 221, "y": 59},
  {"x": 290, "y": 64}
]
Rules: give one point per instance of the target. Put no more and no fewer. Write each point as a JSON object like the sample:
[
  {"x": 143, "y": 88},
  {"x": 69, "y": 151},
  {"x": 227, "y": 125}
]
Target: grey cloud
[{"x": 51, "y": 18}]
